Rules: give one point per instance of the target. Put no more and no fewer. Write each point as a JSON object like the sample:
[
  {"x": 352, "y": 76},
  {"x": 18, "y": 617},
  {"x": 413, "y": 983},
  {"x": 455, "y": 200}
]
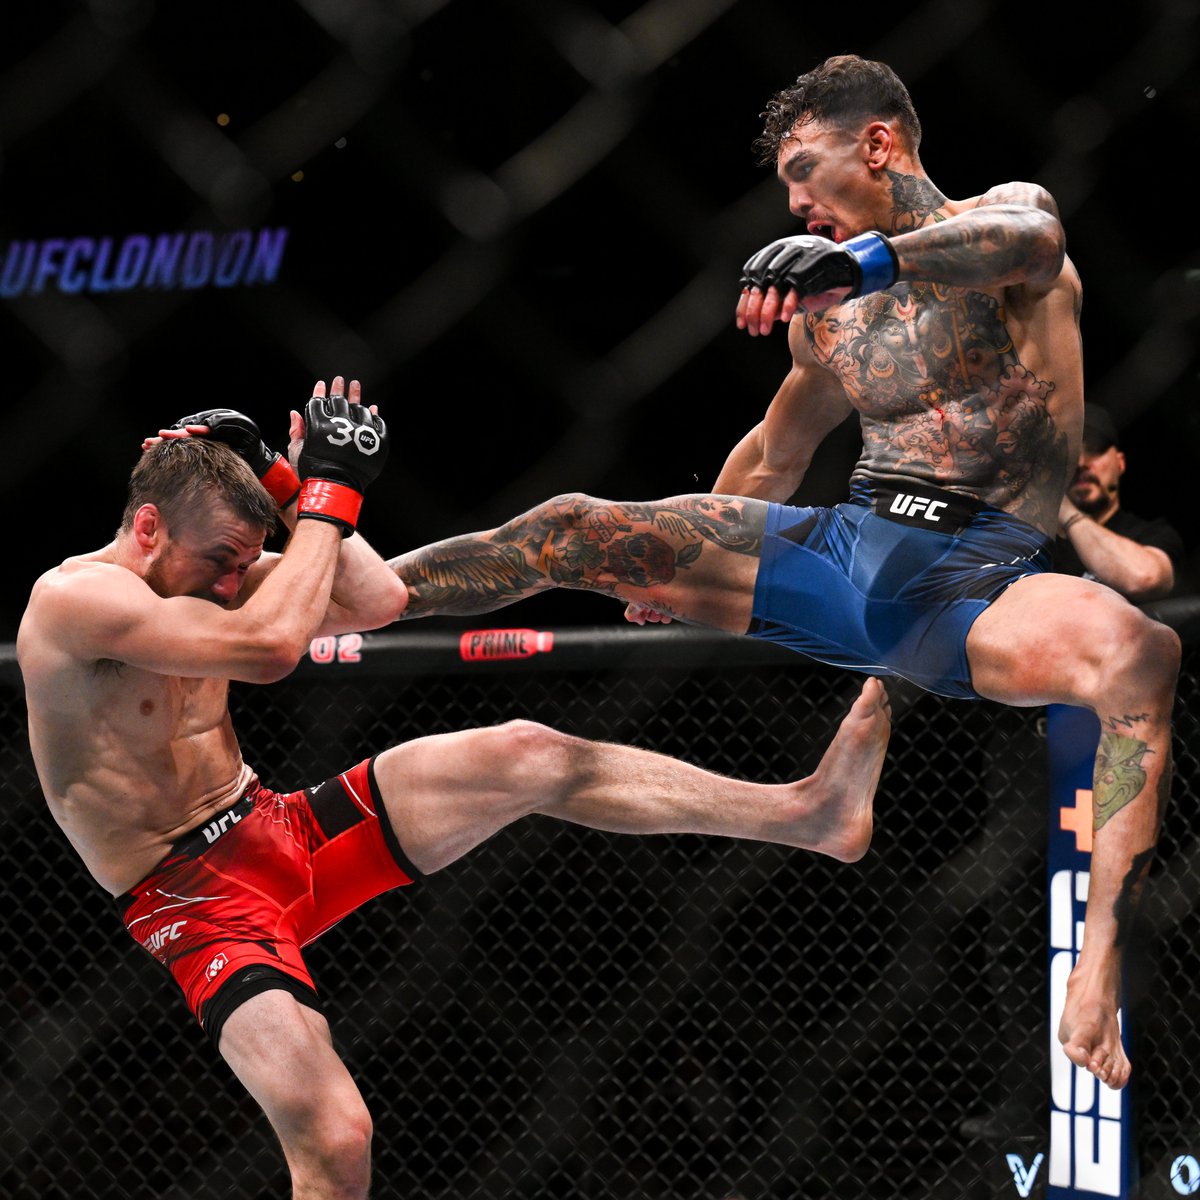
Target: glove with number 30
[{"x": 345, "y": 447}]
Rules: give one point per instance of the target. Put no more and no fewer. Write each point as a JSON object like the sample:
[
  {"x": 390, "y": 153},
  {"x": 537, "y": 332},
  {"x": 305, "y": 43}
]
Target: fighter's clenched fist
[{"x": 812, "y": 273}]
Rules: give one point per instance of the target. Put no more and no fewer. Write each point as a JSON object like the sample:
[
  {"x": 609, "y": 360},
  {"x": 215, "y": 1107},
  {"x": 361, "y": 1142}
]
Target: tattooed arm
[
  {"x": 1012, "y": 236},
  {"x": 770, "y": 461}
]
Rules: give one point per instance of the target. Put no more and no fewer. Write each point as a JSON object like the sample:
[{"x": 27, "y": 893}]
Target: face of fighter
[
  {"x": 830, "y": 186},
  {"x": 207, "y": 557},
  {"x": 1095, "y": 489}
]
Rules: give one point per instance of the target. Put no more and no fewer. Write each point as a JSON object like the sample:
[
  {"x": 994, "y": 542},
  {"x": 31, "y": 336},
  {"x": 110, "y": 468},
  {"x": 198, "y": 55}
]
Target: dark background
[
  {"x": 520, "y": 224},
  {"x": 527, "y": 246}
]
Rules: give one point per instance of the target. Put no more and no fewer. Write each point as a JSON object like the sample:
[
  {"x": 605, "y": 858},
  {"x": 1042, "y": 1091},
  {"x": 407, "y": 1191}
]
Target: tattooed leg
[
  {"x": 1130, "y": 790},
  {"x": 693, "y": 557},
  {"x": 1054, "y": 638},
  {"x": 1123, "y": 777},
  {"x": 1119, "y": 776}
]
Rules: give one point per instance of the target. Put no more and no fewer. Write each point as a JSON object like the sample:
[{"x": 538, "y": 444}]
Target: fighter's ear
[
  {"x": 879, "y": 143},
  {"x": 148, "y": 526}
]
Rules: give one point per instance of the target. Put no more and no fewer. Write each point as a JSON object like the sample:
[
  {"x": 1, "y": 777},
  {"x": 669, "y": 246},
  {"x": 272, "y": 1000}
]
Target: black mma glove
[
  {"x": 814, "y": 265},
  {"x": 345, "y": 447},
  {"x": 241, "y": 435}
]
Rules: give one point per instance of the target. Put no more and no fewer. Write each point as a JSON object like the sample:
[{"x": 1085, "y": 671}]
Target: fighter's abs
[{"x": 944, "y": 396}]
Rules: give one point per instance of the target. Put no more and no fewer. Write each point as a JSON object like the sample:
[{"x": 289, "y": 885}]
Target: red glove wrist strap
[
  {"x": 281, "y": 481},
  {"x": 330, "y": 501}
]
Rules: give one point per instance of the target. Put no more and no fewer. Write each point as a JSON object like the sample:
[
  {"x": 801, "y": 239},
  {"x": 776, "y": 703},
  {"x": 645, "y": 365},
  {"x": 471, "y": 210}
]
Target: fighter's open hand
[
  {"x": 166, "y": 435},
  {"x": 339, "y": 447},
  {"x": 337, "y": 388}
]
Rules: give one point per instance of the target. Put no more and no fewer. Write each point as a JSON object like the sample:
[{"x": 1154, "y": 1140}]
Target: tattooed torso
[{"x": 961, "y": 388}]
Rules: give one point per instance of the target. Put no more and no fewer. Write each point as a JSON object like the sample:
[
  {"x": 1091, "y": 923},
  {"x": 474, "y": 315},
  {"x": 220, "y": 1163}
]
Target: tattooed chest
[
  {"x": 916, "y": 345},
  {"x": 944, "y": 396}
]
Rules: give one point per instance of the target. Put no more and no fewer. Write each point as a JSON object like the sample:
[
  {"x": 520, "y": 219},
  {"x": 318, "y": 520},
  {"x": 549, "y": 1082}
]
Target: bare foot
[
  {"x": 842, "y": 788},
  {"x": 1091, "y": 1038}
]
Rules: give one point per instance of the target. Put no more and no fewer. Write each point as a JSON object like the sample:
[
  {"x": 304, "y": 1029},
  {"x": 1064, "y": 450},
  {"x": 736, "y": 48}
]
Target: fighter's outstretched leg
[
  {"x": 691, "y": 557},
  {"x": 1058, "y": 639},
  {"x": 447, "y": 793}
]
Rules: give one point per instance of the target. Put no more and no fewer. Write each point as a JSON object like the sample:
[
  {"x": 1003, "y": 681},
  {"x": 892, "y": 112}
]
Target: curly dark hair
[
  {"x": 183, "y": 476},
  {"x": 843, "y": 89}
]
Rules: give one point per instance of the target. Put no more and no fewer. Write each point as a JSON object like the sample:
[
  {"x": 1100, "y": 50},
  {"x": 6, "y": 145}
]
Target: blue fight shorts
[{"x": 890, "y": 582}]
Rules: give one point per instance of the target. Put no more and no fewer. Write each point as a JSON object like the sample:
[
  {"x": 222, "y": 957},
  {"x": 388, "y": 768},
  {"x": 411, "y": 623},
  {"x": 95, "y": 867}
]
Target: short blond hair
[{"x": 182, "y": 477}]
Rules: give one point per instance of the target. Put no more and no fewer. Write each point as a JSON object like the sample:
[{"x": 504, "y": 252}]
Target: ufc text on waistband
[
  {"x": 923, "y": 507},
  {"x": 195, "y": 843}
]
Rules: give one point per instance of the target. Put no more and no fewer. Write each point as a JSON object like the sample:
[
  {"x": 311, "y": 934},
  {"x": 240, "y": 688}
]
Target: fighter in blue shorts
[
  {"x": 890, "y": 582},
  {"x": 951, "y": 328}
]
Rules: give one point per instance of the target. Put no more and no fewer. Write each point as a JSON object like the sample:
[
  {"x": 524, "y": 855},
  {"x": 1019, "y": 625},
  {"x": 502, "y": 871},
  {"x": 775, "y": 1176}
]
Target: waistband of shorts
[
  {"x": 920, "y": 505},
  {"x": 196, "y": 841}
]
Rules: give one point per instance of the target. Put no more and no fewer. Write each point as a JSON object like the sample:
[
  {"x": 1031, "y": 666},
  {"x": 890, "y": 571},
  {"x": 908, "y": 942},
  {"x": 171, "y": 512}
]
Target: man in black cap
[{"x": 1099, "y": 539}]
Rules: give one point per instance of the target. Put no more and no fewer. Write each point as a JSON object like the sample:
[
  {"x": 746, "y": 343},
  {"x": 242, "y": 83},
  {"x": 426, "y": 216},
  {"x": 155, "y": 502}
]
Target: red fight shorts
[{"x": 229, "y": 909}]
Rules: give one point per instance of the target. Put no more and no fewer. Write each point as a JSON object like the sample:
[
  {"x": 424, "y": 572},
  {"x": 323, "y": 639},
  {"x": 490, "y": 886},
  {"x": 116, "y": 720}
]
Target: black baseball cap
[{"x": 1099, "y": 429}]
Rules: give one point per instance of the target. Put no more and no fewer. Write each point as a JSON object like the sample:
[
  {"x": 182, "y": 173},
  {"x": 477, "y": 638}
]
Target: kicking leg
[
  {"x": 448, "y": 793},
  {"x": 1058, "y": 639},
  {"x": 692, "y": 557},
  {"x": 282, "y": 1053}
]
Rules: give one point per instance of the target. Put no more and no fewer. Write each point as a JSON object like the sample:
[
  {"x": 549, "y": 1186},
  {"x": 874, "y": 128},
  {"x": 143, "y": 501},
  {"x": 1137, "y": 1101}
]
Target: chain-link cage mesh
[
  {"x": 567, "y": 1013},
  {"x": 523, "y": 221}
]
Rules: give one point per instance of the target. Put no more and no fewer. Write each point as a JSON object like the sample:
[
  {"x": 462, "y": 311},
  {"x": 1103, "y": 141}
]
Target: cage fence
[{"x": 568, "y": 1013}]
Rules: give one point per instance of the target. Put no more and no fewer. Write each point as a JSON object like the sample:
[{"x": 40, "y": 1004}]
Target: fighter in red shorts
[
  {"x": 127, "y": 653},
  {"x": 229, "y": 909}
]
